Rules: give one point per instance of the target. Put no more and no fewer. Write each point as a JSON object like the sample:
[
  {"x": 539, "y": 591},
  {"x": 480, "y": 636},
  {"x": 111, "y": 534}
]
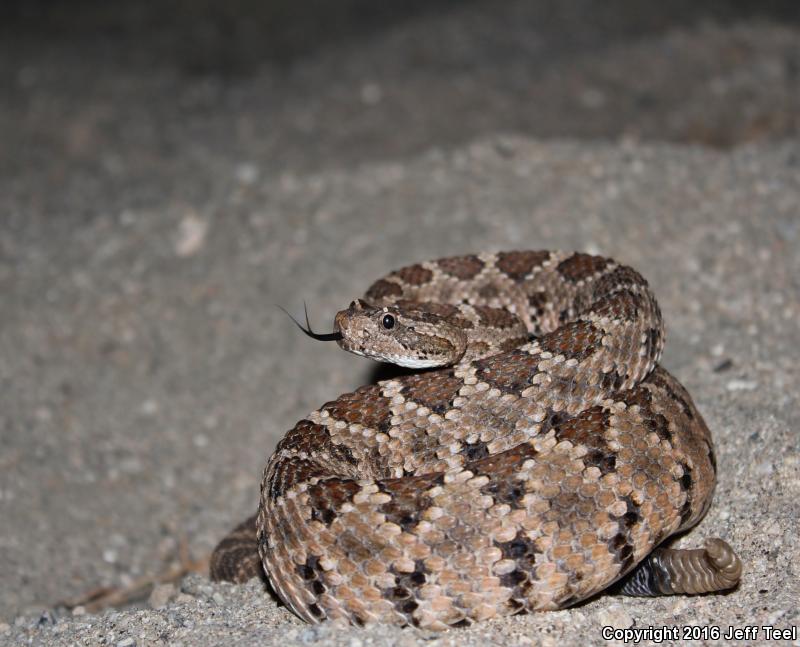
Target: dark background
[
  {"x": 230, "y": 38},
  {"x": 99, "y": 94}
]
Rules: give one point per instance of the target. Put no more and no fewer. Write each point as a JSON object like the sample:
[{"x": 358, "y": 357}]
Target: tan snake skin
[{"x": 527, "y": 479}]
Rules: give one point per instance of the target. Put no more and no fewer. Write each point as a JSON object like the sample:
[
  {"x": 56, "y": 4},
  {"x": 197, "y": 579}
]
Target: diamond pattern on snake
[{"x": 539, "y": 455}]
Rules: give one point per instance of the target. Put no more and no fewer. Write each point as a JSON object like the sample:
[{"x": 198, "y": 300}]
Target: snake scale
[{"x": 542, "y": 456}]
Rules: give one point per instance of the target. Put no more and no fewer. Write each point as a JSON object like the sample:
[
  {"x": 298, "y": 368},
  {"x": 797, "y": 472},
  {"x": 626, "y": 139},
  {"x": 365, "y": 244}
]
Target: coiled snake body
[{"x": 546, "y": 458}]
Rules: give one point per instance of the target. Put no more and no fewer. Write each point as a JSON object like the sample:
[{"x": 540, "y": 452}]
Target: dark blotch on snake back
[
  {"x": 290, "y": 472},
  {"x": 509, "y": 372},
  {"x": 659, "y": 425},
  {"x": 621, "y": 548},
  {"x": 327, "y": 497},
  {"x": 580, "y": 267},
  {"x": 408, "y": 498},
  {"x": 414, "y": 275},
  {"x": 435, "y": 391},
  {"x": 518, "y": 265},
  {"x": 496, "y": 317},
  {"x": 575, "y": 340},
  {"x": 461, "y": 267},
  {"x": 507, "y": 492},
  {"x": 365, "y": 406},
  {"x": 474, "y": 451},
  {"x": 382, "y": 289},
  {"x": 611, "y": 381},
  {"x": 586, "y": 429},
  {"x": 620, "y": 278}
]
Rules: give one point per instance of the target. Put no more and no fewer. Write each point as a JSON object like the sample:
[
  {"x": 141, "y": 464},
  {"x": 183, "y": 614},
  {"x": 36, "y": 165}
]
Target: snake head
[{"x": 410, "y": 337}]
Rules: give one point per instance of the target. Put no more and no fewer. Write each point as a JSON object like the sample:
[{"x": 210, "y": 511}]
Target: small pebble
[
  {"x": 246, "y": 173},
  {"x": 161, "y": 595},
  {"x": 764, "y": 468},
  {"x": 191, "y": 236},
  {"x": 741, "y": 385},
  {"x": 679, "y": 606},
  {"x": 723, "y": 366},
  {"x": 47, "y": 618},
  {"x": 614, "y": 616}
]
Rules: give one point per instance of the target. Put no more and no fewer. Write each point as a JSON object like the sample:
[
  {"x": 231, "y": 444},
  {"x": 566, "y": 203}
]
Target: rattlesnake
[{"x": 546, "y": 457}]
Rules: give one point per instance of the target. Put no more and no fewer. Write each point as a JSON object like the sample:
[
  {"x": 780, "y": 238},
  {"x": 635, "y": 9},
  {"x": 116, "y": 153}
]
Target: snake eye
[{"x": 388, "y": 321}]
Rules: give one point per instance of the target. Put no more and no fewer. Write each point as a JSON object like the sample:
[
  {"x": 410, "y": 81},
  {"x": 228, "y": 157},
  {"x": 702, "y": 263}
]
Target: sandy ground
[{"x": 153, "y": 217}]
